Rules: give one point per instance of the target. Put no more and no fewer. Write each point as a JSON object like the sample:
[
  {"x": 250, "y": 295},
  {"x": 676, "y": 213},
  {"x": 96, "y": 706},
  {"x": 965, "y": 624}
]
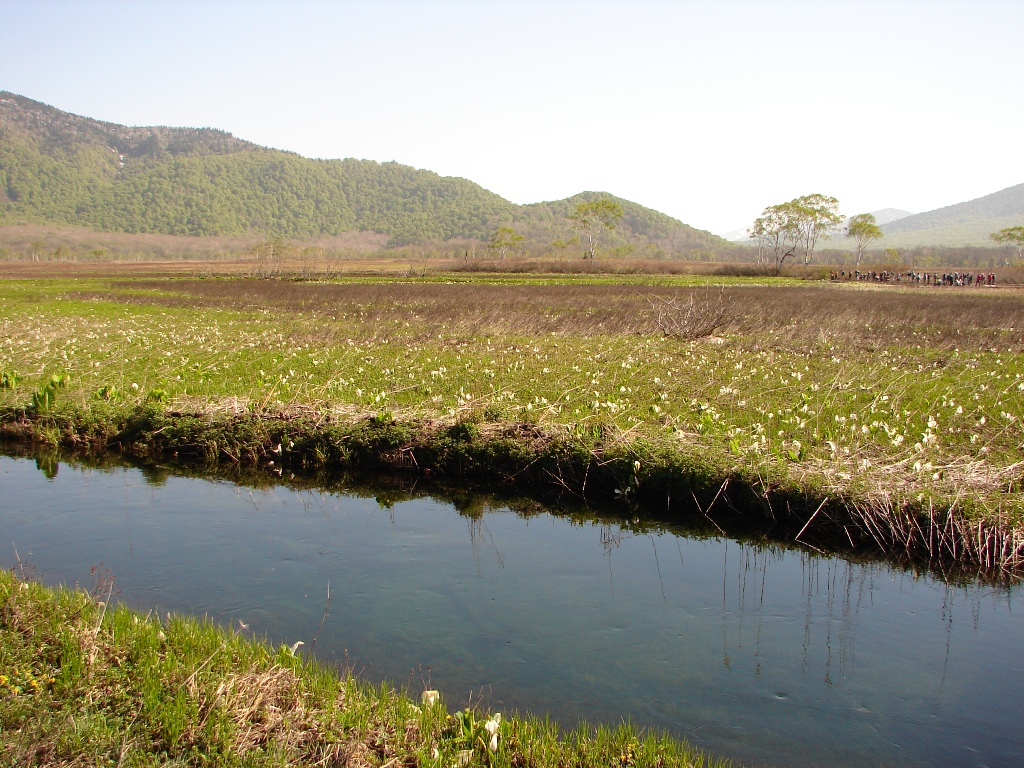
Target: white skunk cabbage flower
[{"x": 491, "y": 726}]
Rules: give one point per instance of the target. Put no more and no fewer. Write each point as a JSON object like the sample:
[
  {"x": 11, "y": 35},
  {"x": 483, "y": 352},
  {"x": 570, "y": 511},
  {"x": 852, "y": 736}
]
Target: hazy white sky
[{"x": 708, "y": 111}]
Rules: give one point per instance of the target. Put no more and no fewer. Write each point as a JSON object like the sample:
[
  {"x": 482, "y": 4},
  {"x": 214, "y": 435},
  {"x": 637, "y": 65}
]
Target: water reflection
[
  {"x": 48, "y": 465},
  {"x": 758, "y": 651}
]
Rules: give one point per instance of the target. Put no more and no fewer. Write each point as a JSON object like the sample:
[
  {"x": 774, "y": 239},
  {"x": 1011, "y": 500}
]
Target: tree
[
  {"x": 776, "y": 231},
  {"x": 560, "y": 245},
  {"x": 817, "y": 216},
  {"x": 784, "y": 228},
  {"x": 503, "y": 240},
  {"x": 1011, "y": 236},
  {"x": 864, "y": 229},
  {"x": 593, "y": 219}
]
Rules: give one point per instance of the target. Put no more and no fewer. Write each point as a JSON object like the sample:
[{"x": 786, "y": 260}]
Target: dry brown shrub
[{"x": 691, "y": 319}]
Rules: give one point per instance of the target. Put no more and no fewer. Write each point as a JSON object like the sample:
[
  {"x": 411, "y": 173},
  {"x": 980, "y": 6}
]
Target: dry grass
[
  {"x": 578, "y": 266},
  {"x": 847, "y": 316},
  {"x": 229, "y": 267},
  {"x": 80, "y": 243}
]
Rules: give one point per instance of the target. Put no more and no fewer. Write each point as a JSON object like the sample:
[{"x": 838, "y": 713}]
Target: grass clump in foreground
[{"x": 83, "y": 683}]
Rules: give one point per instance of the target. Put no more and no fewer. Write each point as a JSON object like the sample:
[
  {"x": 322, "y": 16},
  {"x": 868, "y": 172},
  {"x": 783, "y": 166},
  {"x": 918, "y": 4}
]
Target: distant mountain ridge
[
  {"x": 967, "y": 223},
  {"x": 889, "y": 215},
  {"x": 61, "y": 168}
]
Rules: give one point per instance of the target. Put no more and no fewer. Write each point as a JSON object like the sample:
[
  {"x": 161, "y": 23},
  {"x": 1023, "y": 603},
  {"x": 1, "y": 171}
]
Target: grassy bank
[
  {"x": 86, "y": 683},
  {"x": 851, "y": 416}
]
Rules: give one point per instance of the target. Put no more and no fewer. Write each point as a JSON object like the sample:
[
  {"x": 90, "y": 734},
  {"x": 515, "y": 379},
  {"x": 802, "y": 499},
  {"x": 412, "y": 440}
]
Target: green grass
[
  {"x": 890, "y": 399},
  {"x": 88, "y": 684}
]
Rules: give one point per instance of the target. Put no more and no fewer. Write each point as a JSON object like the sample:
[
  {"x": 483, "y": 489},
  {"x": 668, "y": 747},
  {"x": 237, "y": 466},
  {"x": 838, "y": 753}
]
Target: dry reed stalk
[
  {"x": 260, "y": 706},
  {"x": 938, "y": 537}
]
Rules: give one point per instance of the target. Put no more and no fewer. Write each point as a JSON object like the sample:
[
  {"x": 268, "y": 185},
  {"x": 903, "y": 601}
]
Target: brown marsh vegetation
[
  {"x": 36, "y": 244},
  {"x": 47, "y": 243},
  {"x": 770, "y": 315}
]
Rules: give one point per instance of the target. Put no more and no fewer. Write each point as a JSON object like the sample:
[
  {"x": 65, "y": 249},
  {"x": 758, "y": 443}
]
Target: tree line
[{"x": 798, "y": 226}]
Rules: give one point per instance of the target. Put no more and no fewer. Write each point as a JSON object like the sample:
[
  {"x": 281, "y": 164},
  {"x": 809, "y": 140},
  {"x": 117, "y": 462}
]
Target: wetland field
[
  {"x": 878, "y": 424},
  {"x": 872, "y": 418}
]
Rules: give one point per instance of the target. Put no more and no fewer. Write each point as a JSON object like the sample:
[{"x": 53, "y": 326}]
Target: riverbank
[
  {"x": 845, "y": 417},
  {"x": 85, "y": 682},
  {"x": 600, "y": 467}
]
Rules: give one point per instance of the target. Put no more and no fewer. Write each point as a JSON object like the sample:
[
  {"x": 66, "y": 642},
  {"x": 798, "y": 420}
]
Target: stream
[{"x": 761, "y": 653}]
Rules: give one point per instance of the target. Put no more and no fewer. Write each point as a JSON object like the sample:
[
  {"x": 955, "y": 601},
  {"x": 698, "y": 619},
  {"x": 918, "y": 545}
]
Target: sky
[{"x": 708, "y": 111}]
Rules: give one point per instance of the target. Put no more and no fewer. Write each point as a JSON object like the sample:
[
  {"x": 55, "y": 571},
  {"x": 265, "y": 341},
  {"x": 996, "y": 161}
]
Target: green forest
[{"x": 59, "y": 168}]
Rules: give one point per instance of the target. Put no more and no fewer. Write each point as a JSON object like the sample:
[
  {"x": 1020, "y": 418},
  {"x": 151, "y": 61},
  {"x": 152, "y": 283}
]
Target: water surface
[{"x": 766, "y": 655}]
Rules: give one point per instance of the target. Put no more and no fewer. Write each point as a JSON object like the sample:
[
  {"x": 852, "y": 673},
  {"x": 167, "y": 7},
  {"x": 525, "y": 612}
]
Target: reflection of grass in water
[
  {"x": 471, "y": 499},
  {"x": 884, "y": 397},
  {"x": 84, "y": 685}
]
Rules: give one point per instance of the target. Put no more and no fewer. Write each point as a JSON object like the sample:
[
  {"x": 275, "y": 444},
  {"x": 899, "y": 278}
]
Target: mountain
[
  {"x": 60, "y": 168},
  {"x": 889, "y": 215},
  {"x": 738, "y": 235},
  {"x": 963, "y": 224}
]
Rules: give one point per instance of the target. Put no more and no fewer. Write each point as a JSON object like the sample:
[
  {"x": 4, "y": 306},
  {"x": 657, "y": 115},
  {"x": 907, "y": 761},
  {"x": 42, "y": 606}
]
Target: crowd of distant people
[{"x": 918, "y": 278}]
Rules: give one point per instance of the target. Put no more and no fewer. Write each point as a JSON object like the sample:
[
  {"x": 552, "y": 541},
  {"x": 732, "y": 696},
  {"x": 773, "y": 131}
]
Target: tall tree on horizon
[
  {"x": 776, "y": 231},
  {"x": 864, "y": 229},
  {"x": 593, "y": 219},
  {"x": 1011, "y": 236},
  {"x": 817, "y": 217}
]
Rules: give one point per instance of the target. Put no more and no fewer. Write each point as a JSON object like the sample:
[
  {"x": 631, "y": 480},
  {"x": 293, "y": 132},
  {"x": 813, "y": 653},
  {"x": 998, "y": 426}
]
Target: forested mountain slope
[
  {"x": 60, "y": 168},
  {"x": 968, "y": 223}
]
